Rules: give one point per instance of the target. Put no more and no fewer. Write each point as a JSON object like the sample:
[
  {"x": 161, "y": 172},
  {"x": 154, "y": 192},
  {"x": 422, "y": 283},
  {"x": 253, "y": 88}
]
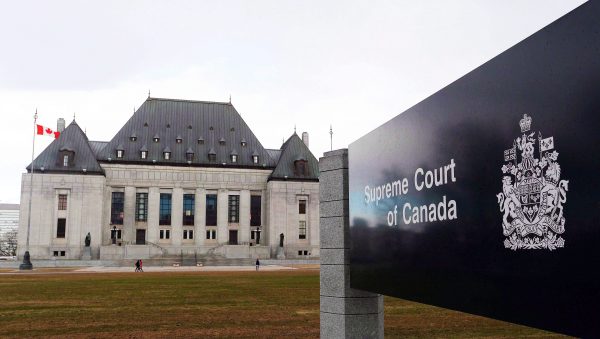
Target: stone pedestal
[
  {"x": 26, "y": 265},
  {"x": 280, "y": 253},
  {"x": 345, "y": 312},
  {"x": 86, "y": 253}
]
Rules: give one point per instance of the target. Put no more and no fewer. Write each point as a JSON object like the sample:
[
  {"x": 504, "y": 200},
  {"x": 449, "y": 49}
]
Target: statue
[
  {"x": 281, "y": 240},
  {"x": 26, "y": 265},
  {"x": 88, "y": 239}
]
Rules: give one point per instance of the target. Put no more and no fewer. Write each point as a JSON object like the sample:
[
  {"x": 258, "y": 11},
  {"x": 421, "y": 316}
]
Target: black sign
[{"x": 485, "y": 197}]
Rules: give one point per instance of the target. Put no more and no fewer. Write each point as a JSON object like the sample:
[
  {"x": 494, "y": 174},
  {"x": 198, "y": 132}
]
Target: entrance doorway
[
  {"x": 233, "y": 237},
  {"x": 140, "y": 237}
]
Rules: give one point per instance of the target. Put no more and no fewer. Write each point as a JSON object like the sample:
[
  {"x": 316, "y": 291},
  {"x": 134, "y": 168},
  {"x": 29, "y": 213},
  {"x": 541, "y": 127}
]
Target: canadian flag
[{"x": 41, "y": 130}]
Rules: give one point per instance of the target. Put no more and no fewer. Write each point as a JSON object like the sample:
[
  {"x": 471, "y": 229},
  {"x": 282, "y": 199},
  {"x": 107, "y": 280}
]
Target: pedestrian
[
  {"x": 137, "y": 265},
  {"x": 141, "y": 266},
  {"x": 257, "y": 264}
]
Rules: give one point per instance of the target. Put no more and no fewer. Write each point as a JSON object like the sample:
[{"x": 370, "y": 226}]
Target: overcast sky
[{"x": 351, "y": 64}]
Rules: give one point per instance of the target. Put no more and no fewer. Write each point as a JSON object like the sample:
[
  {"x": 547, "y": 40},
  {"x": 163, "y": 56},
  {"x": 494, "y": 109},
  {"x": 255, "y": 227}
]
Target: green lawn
[{"x": 216, "y": 304}]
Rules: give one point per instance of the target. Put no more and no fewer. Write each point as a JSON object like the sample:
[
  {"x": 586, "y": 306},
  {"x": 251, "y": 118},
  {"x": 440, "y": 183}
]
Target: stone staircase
[
  {"x": 218, "y": 260},
  {"x": 204, "y": 260}
]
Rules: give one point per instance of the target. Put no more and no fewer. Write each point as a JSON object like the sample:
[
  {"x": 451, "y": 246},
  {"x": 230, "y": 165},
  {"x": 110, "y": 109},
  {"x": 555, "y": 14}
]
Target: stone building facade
[{"x": 180, "y": 178}]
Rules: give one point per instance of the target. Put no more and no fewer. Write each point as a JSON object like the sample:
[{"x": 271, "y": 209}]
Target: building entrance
[
  {"x": 140, "y": 237},
  {"x": 233, "y": 237}
]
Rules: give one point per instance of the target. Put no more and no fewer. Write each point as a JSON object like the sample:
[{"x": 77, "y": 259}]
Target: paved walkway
[
  {"x": 184, "y": 268},
  {"x": 107, "y": 269}
]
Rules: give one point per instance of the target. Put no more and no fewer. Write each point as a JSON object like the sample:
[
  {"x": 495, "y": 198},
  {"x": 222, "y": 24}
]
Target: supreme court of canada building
[{"x": 180, "y": 178}]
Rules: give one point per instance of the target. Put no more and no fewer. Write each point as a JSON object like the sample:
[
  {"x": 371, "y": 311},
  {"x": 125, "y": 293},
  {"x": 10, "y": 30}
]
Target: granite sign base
[{"x": 345, "y": 312}]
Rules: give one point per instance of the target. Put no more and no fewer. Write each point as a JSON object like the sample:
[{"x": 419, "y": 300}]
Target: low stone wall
[{"x": 61, "y": 263}]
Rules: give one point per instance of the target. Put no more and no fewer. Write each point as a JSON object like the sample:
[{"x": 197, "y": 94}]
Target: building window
[
  {"x": 255, "y": 159},
  {"x": 120, "y": 153},
  {"x": 222, "y": 141},
  {"x": 302, "y": 207},
  {"x": 133, "y": 138},
  {"x": 116, "y": 212},
  {"x": 61, "y": 226},
  {"x": 167, "y": 155},
  {"x": 143, "y": 154},
  {"x": 164, "y": 234},
  {"x": 300, "y": 167},
  {"x": 301, "y": 229},
  {"x": 233, "y": 158},
  {"x": 211, "y": 234},
  {"x": 165, "y": 209},
  {"x": 255, "y": 210},
  {"x": 179, "y": 140},
  {"x": 141, "y": 206},
  {"x": 201, "y": 141},
  {"x": 65, "y": 161},
  {"x": 156, "y": 138},
  {"x": 243, "y": 143},
  {"x": 234, "y": 208},
  {"x": 212, "y": 156},
  {"x": 189, "y": 156},
  {"x": 211, "y": 210},
  {"x": 62, "y": 202},
  {"x": 188, "y": 209},
  {"x": 188, "y": 234}
]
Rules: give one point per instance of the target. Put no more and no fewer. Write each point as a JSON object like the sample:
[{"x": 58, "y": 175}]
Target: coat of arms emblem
[{"x": 532, "y": 194}]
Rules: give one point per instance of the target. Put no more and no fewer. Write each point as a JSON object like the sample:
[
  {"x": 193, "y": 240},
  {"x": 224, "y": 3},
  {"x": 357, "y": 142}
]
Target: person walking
[
  {"x": 137, "y": 265},
  {"x": 257, "y": 264},
  {"x": 141, "y": 266}
]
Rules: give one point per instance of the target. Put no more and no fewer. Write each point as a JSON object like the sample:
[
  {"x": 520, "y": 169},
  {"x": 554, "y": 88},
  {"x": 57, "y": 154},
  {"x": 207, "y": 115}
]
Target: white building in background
[
  {"x": 180, "y": 177},
  {"x": 9, "y": 218}
]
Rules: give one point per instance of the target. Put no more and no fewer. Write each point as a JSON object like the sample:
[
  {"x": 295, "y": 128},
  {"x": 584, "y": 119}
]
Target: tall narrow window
[
  {"x": 301, "y": 229},
  {"x": 255, "y": 159},
  {"x": 61, "y": 226},
  {"x": 62, "y": 202},
  {"x": 255, "y": 210},
  {"x": 65, "y": 161},
  {"x": 188, "y": 209},
  {"x": 116, "y": 212},
  {"x": 234, "y": 208},
  {"x": 211, "y": 210},
  {"x": 302, "y": 207},
  {"x": 165, "y": 209},
  {"x": 120, "y": 153},
  {"x": 143, "y": 154},
  {"x": 141, "y": 206}
]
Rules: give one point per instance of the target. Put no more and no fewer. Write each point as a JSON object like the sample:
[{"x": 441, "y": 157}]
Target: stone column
[
  {"x": 244, "y": 216},
  {"x": 129, "y": 230},
  {"x": 345, "y": 312},
  {"x": 222, "y": 222},
  {"x": 200, "y": 217},
  {"x": 177, "y": 217},
  {"x": 153, "y": 214}
]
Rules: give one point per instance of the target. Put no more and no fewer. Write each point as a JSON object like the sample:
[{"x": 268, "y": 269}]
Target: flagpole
[{"x": 26, "y": 265}]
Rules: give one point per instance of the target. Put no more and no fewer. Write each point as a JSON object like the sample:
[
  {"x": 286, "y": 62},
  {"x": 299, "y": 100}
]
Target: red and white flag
[{"x": 41, "y": 130}]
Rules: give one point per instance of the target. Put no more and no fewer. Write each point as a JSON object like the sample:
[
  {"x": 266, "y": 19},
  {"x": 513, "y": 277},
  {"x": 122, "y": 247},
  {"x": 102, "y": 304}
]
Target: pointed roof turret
[
  {"x": 296, "y": 162},
  {"x": 74, "y": 144}
]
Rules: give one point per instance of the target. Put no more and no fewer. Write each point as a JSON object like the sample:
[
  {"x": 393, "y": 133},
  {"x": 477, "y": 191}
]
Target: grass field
[{"x": 215, "y": 304}]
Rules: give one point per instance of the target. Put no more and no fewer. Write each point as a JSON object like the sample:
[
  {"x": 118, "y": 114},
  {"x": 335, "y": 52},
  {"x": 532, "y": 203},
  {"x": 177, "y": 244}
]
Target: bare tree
[{"x": 8, "y": 243}]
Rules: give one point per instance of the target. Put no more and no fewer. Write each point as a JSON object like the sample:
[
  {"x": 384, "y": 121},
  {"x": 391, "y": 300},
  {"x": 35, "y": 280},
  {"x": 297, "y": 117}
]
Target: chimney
[
  {"x": 305, "y": 138},
  {"x": 60, "y": 125}
]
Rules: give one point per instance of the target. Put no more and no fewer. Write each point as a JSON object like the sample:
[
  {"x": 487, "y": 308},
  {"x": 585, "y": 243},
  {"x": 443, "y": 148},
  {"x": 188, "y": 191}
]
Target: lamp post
[
  {"x": 114, "y": 235},
  {"x": 257, "y": 235}
]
